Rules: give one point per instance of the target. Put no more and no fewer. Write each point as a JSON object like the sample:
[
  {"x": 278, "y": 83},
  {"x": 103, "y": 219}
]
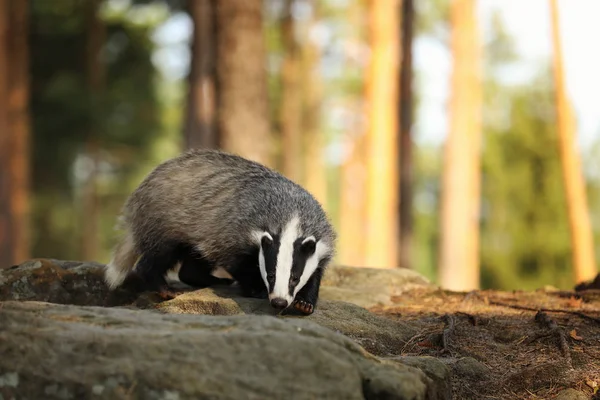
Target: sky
[{"x": 527, "y": 20}]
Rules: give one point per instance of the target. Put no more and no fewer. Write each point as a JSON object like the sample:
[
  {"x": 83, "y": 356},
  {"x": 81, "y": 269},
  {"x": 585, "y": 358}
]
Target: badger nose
[{"x": 279, "y": 303}]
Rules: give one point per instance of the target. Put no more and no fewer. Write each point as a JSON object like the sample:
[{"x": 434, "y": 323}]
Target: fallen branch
[
  {"x": 450, "y": 322},
  {"x": 553, "y": 330},
  {"x": 547, "y": 310}
]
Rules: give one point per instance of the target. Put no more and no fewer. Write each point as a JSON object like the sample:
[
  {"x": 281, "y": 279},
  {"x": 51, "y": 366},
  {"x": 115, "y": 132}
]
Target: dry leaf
[
  {"x": 592, "y": 384},
  {"x": 574, "y": 302},
  {"x": 574, "y": 335}
]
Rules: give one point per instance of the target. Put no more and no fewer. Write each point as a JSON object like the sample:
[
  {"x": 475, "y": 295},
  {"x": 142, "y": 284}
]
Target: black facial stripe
[
  {"x": 298, "y": 263},
  {"x": 270, "y": 251}
]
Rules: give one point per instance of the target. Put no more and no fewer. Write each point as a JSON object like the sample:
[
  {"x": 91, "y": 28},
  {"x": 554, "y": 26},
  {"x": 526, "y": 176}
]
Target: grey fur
[{"x": 214, "y": 200}]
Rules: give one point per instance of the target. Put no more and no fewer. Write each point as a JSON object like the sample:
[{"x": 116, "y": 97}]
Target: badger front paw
[{"x": 303, "y": 306}]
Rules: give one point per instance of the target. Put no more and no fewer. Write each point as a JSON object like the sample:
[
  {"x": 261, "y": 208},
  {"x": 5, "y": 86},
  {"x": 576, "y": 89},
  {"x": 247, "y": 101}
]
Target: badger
[{"x": 207, "y": 210}]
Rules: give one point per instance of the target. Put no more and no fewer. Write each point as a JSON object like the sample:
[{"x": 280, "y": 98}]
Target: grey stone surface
[
  {"x": 571, "y": 394},
  {"x": 73, "y": 352}
]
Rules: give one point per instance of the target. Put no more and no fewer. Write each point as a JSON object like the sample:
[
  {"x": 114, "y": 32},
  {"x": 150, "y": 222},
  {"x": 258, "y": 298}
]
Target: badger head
[{"x": 287, "y": 260}]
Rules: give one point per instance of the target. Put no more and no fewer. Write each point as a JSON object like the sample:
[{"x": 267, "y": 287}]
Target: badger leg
[
  {"x": 246, "y": 272},
  {"x": 153, "y": 266},
  {"x": 196, "y": 270},
  {"x": 307, "y": 297}
]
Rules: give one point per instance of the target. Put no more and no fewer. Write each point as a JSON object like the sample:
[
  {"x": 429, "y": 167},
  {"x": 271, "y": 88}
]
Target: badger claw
[
  {"x": 167, "y": 294},
  {"x": 304, "y": 307}
]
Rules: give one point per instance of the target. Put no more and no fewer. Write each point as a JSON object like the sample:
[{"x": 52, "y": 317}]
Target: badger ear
[
  {"x": 262, "y": 238},
  {"x": 266, "y": 239},
  {"x": 309, "y": 245}
]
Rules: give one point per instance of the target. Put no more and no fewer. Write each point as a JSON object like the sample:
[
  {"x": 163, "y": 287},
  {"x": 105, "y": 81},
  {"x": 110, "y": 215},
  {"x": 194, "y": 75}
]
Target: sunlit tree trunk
[
  {"x": 7, "y": 256},
  {"x": 406, "y": 117},
  {"x": 201, "y": 118},
  {"x": 314, "y": 168},
  {"x": 243, "y": 113},
  {"x": 291, "y": 100},
  {"x": 351, "y": 243},
  {"x": 14, "y": 133},
  {"x": 381, "y": 142},
  {"x": 459, "y": 248},
  {"x": 352, "y": 204},
  {"x": 581, "y": 232},
  {"x": 96, "y": 33}
]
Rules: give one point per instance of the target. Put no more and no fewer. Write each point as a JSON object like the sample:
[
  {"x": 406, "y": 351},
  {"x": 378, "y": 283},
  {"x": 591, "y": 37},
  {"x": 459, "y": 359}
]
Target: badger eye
[
  {"x": 294, "y": 280},
  {"x": 270, "y": 276}
]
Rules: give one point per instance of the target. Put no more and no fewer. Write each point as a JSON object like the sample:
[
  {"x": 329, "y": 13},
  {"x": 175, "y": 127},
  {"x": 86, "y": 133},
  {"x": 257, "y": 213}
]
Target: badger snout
[{"x": 278, "y": 302}]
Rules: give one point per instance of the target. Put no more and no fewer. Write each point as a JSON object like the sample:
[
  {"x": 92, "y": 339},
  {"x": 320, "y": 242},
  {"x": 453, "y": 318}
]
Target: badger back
[{"x": 216, "y": 201}]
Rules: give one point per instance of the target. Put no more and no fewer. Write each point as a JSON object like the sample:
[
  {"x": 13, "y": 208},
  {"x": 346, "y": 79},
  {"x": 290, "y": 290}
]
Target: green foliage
[
  {"x": 123, "y": 118},
  {"x": 525, "y": 236}
]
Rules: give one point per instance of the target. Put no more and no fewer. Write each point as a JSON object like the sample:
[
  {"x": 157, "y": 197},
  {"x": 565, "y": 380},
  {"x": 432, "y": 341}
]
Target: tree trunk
[
  {"x": 584, "y": 263},
  {"x": 95, "y": 79},
  {"x": 14, "y": 132},
  {"x": 459, "y": 248},
  {"x": 7, "y": 240},
  {"x": 382, "y": 166},
  {"x": 352, "y": 213},
  {"x": 314, "y": 168},
  {"x": 201, "y": 120},
  {"x": 243, "y": 115},
  {"x": 291, "y": 102},
  {"x": 406, "y": 117},
  {"x": 352, "y": 204}
]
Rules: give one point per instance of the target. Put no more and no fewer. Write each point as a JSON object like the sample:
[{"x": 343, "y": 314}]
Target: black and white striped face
[{"x": 287, "y": 259}]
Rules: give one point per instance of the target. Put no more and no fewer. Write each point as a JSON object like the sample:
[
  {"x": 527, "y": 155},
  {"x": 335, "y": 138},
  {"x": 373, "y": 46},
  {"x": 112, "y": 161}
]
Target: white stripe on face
[
  {"x": 261, "y": 255},
  {"x": 311, "y": 265},
  {"x": 284, "y": 261}
]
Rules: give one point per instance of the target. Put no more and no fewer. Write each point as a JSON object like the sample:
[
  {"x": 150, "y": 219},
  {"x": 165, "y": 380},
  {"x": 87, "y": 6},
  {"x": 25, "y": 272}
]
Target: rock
[
  {"x": 369, "y": 287},
  {"x": 539, "y": 376},
  {"x": 70, "y": 352},
  {"x": 379, "y": 335},
  {"x": 439, "y": 373},
  {"x": 64, "y": 282},
  {"x": 470, "y": 367},
  {"x": 571, "y": 394},
  {"x": 81, "y": 283}
]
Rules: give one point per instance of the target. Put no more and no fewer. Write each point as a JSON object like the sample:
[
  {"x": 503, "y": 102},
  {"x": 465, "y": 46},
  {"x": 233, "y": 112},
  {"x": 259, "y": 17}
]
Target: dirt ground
[{"x": 531, "y": 344}]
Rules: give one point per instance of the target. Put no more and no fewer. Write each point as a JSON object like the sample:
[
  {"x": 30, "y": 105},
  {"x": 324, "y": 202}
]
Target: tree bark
[
  {"x": 584, "y": 261},
  {"x": 406, "y": 144},
  {"x": 314, "y": 168},
  {"x": 382, "y": 167},
  {"x": 7, "y": 256},
  {"x": 14, "y": 132},
  {"x": 291, "y": 102},
  {"x": 201, "y": 119},
  {"x": 459, "y": 248},
  {"x": 96, "y": 81},
  {"x": 243, "y": 115}
]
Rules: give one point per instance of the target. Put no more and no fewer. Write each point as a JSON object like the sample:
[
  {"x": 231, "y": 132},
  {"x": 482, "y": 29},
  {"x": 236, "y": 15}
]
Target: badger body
[{"x": 208, "y": 209}]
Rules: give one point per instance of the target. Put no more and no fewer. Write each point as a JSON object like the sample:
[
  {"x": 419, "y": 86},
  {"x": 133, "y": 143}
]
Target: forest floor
[{"x": 527, "y": 345}]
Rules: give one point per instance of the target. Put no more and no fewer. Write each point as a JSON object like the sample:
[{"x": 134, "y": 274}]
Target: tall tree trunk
[
  {"x": 7, "y": 240},
  {"x": 406, "y": 145},
  {"x": 243, "y": 115},
  {"x": 459, "y": 249},
  {"x": 291, "y": 102},
  {"x": 382, "y": 167},
  {"x": 352, "y": 204},
  {"x": 14, "y": 132},
  {"x": 352, "y": 224},
  {"x": 584, "y": 263},
  {"x": 95, "y": 79},
  {"x": 314, "y": 169},
  {"x": 201, "y": 120}
]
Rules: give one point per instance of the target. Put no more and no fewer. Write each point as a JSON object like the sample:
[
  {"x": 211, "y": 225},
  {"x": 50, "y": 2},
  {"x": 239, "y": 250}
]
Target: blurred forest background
[{"x": 418, "y": 125}]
